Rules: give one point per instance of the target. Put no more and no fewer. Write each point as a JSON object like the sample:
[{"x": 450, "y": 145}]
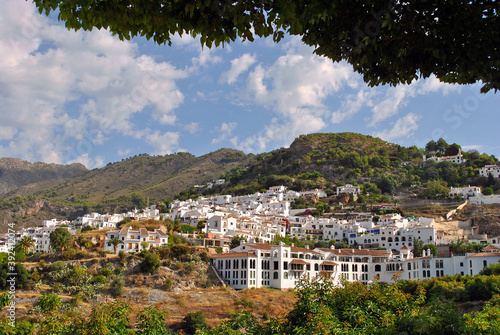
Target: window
[
  {"x": 485, "y": 263},
  {"x": 461, "y": 263},
  {"x": 275, "y": 275},
  {"x": 316, "y": 267},
  {"x": 276, "y": 265},
  {"x": 378, "y": 268},
  {"x": 285, "y": 275}
]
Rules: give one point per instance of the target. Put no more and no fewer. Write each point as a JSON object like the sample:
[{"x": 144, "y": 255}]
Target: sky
[{"x": 88, "y": 97}]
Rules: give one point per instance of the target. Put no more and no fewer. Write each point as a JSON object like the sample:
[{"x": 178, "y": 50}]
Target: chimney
[
  {"x": 307, "y": 246},
  {"x": 332, "y": 247},
  {"x": 293, "y": 244}
]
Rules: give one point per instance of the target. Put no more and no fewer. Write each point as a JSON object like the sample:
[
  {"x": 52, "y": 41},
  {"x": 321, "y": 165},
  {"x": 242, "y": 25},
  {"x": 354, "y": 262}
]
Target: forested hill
[
  {"x": 329, "y": 159},
  {"x": 312, "y": 161}
]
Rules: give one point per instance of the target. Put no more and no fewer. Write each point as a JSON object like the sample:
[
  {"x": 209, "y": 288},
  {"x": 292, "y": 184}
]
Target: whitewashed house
[
  {"x": 494, "y": 170},
  {"x": 349, "y": 189},
  {"x": 465, "y": 192},
  {"x": 132, "y": 239}
]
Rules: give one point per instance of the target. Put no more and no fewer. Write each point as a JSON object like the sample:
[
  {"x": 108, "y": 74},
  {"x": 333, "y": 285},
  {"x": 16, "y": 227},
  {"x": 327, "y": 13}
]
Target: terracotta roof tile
[{"x": 234, "y": 254}]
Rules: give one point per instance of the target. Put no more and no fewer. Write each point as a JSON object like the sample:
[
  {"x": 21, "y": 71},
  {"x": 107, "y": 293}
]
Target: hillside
[
  {"x": 117, "y": 186},
  {"x": 324, "y": 161},
  {"x": 15, "y": 173},
  {"x": 328, "y": 160}
]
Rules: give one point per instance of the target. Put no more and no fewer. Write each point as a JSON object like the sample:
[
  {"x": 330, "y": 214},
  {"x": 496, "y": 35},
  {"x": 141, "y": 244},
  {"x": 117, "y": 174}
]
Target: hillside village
[{"x": 374, "y": 246}]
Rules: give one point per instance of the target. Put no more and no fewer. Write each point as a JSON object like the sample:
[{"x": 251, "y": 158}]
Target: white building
[
  {"x": 465, "y": 192},
  {"x": 279, "y": 266},
  {"x": 458, "y": 159},
  {"x": 132, "y": 239},
  {"x": 349, "y": 189},
  {"x": 494, "y": 170}
]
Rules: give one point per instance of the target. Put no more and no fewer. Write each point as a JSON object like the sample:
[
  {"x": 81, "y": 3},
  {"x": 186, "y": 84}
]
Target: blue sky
[{"x": 88, "y": 97}]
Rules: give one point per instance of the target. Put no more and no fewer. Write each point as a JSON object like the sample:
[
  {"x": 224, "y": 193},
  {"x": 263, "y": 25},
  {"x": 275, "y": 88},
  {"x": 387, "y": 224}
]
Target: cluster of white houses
[{"x": 255, "y": 265}]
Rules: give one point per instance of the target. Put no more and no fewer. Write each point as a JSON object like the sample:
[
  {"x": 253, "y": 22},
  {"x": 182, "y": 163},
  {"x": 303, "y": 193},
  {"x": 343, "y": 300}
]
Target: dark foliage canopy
[{"x": 388, "y": 41}]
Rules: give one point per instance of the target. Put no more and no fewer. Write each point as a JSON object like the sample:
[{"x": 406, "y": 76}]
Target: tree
[
  {"x": 60, "y": 239},
  {"x": 389, "y": 42},
  {"x": 430, "y": 146},
  {"x": 25, "y": 244},
  {"x": 487, "y": 190},
  {"x": 200, "y": 226},
  {"x": 418, "y": 247},
  {"x": 236, "y": 240},
  {"x": 115, "y": 241},
  {"x": 151, "y": 321},
  {"x": 150, "y": 263},
  {"x": 452, "y": 150},
  {"x": 441, "y": 145},
  {"x": 194, "y": 321}
]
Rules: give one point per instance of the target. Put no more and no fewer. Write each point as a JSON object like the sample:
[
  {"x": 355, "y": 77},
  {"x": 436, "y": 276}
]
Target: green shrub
[
  {"x": 150, "y": 263},
  {"x": 167, "y": 285},
  {"x": 57, "y": 266},
  {"x": 116, "y": 287},
  {"x": 194, "y": 321},
  {"x": 49, "y": 302},
  {"x": 99, "y": 279},
  {"x": 105, "y": 271}
]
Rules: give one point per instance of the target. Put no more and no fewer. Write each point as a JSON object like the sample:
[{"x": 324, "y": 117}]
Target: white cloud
[
  {"x": 238, "y": 66},
  {"x": 352, "y": 105},
  {"x": 295, "y": 87},
  {"x": 58, "y": 85},
  {"x": 192, "y": 127},
  {"x": 395, "y": 98},
  {"x": 163, "y": 144},
  {"x": 224, "y": 131},
  {"x": 403, "y": 127},
  {"x": 432, "y": 84}
]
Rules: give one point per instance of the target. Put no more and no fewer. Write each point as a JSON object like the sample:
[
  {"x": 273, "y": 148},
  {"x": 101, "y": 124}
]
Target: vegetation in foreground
[{"x": 447, "y": 305}]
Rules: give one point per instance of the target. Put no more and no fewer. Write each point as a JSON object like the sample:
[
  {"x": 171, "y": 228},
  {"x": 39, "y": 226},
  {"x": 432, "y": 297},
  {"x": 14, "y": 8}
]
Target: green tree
[
  {"x": 60, "y": 239},
  {"x": 25, "y": 244},
  {"x": 194, "y": 321},
  {"x": 200, "y": 226},
  {"x": 487, "y": 191},
  {"x": 418, "y": 247},
  {"x": 115, "y": 242},
  {"x": 388, "y": 42},
  {"x": 150, "y": 263},
  {"x": 236, "y": 240},
  {"x": 151, "y": 321}
]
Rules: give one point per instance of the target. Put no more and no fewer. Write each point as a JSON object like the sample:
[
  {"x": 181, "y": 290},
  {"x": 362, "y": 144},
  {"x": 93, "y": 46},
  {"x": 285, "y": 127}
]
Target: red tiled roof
[
  {"x": 485, "y": 254},
  {"x": 299, "y": 261},
  {"x": 234, "y": 254},
  {"x": 328, "y": 263}
]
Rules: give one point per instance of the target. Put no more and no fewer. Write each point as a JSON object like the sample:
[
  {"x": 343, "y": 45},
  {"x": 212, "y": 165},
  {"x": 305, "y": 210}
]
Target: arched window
[
  {"x": 396, "y": 239},
  {"x": 316, "y": 267},
  {"x": 365, "y": 241},
  {"x": 403, "y": 239},
  {"x": 389, "y": 239},
  {"x": 275, "y": 254},
  {"x": 285, "y": 275},
  {"x": 275, "y": 275}
]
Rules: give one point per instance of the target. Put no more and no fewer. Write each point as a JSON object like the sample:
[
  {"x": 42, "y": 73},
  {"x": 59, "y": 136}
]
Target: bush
[
  {"x": 194, "y": 321},
  {"x": 167, "y": 285},
  {"x": 57, "y": 266},
  {"x": 164, "y": 252},
  {"x": 116, "y": 287},
  {"x": 179, "y": 250},
  {"x": 204, "y": 257},
  {"x": 49, "y": 302},
  {"x": 99, "y": 279},
  {"x": 188, "y": 268},
  {"x": 150, "y": 263},
  {"x": 105, "y": 271},
  {"x": 246, "y": 302}
]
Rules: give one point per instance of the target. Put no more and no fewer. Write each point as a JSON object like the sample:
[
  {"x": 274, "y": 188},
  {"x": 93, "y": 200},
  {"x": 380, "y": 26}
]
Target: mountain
[
  {"x": 117, "y": 186},
  {"x": 15, "y": 173},
  {"x": 321, "y": 160}
]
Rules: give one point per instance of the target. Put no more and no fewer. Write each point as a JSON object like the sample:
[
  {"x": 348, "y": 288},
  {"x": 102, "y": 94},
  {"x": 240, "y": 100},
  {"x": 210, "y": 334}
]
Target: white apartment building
[
  {"x": 132, "y": 239},
  {"x": 494, "y": 170},
  {"x": 348, "y": 188},
  {"x": 279, "y": 266},
  {"x": 465, "y": 192}
]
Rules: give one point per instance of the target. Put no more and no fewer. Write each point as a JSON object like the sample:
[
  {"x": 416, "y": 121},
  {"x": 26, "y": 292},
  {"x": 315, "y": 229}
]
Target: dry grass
[{"x": 429, "y": 211}]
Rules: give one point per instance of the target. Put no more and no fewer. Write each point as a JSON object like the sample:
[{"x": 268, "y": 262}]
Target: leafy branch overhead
[{"x": 389, "y": 42}]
